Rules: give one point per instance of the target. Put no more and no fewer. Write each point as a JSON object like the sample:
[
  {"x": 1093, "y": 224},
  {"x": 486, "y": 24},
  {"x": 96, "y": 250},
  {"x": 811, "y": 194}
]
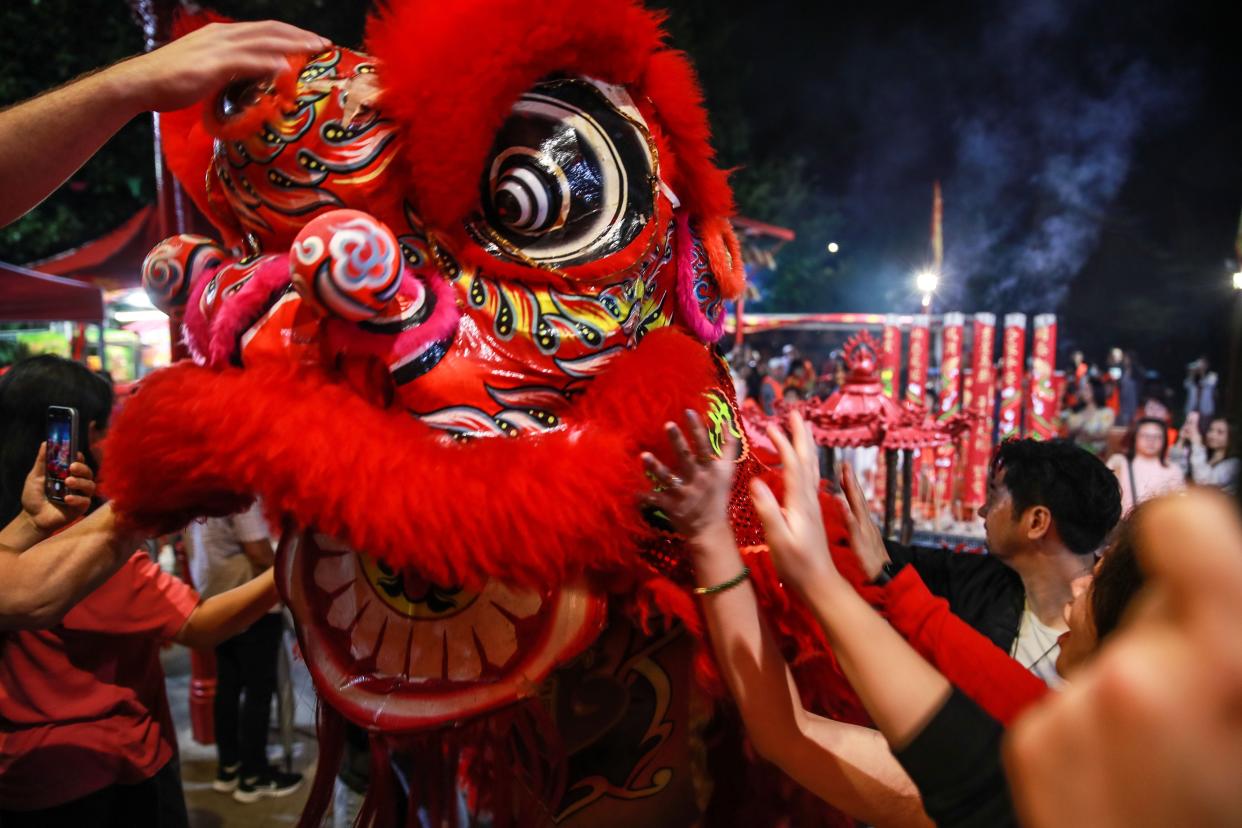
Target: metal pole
[{"x": 907, "y": 488}]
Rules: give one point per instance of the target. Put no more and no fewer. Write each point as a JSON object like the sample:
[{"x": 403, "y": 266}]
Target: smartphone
[{"x": 62, "y": 449}]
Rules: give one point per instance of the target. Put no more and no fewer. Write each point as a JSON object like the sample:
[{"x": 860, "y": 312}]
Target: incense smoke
[{"x": 1032, "y": 130}]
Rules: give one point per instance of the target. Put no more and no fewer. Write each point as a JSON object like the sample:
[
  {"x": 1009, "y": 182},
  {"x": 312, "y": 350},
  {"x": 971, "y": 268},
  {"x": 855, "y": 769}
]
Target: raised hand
[
  {"x": 205, "y": 61},
  {"x": 1148, "y": 733},
  {"x": 48, "y": 516},
  {"x": 795, "y": 533},
  {"x": 865, "y": 538},
  {"x": 695, "y": 497}
]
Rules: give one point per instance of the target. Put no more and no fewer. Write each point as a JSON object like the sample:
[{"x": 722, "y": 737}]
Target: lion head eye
[{"x": 571, "y": 177}]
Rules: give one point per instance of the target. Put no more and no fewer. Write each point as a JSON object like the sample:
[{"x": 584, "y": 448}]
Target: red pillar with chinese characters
[
  {"x": 916, "y": 379},
  {"x": 890, "y": 359},
  {"x": 1013, "y": 372},
  {"x": 890, "y": 380},
  {"x": 949, "y": 404},
  {"x": 1041, "y": 407},
  {"x": 982, "y": 404}
]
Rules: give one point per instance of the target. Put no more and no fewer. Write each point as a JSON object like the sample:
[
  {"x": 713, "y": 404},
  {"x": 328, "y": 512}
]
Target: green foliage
[
  {"x": 771, "y": 183},
  {"x": 49, "y": 42}
]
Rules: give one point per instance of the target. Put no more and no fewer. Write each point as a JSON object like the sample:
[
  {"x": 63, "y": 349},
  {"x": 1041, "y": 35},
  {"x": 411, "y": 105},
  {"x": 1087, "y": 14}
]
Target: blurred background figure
[
  {"x": 1209, "y": 455},
  {"x": 227, "y": 552},
  {"x": 1090, "y": 421},
  {"x": 1144, "y": 470}
]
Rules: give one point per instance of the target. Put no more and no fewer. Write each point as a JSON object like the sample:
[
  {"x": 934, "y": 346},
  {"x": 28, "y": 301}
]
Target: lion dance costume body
[{"x": 461, "y": 282}]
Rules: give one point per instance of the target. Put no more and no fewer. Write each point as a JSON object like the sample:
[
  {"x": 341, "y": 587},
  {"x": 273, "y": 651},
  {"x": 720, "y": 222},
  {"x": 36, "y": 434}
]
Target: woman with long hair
[
  {"x": 1144, "y": 470},
  {"x": 1210, "y": 461}
]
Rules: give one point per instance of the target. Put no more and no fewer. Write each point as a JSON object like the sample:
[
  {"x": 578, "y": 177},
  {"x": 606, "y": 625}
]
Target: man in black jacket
[{"x": 1050, "y": 506}]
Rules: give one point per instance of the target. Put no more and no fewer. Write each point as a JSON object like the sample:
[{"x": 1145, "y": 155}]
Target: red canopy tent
[
  {"x": 112, "y": 261},
  {"x": 27, "y": 296}
]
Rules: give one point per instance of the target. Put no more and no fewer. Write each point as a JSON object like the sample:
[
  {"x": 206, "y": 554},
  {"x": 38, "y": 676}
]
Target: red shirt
[{"x": 82, "y": 705}]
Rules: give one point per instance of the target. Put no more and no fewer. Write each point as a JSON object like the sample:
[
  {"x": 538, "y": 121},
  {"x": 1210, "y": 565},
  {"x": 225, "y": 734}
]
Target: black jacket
[
  {"x": 955, "y": 762},
  {"x": 981, "y": 590}
]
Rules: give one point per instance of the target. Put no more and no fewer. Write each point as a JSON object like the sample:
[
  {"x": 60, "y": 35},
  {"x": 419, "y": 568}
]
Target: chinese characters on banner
[
  {"x": 890, "y": 359},
  {"x": 916, "y": 381},
  {"x": 1013, "y": 370},
  {"x": 950, "y": 403},
  {"x": 890, "y": 381},
  {"x": 982, "y": 401},
  {"x": 1041, "y": 409}
]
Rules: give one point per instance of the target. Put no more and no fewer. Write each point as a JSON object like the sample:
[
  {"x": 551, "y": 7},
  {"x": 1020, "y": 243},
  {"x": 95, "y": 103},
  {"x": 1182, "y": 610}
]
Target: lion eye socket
[{"x": 570, "y": 178}]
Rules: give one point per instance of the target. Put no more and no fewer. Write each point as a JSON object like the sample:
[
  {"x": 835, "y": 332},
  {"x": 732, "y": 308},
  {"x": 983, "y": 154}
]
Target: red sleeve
[
  {"x": 967, "y": 658},
  {"x": 140, "y": 599}
]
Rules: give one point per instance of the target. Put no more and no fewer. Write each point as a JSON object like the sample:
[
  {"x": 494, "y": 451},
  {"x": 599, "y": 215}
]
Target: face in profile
[{"x": 999, "y": 520}]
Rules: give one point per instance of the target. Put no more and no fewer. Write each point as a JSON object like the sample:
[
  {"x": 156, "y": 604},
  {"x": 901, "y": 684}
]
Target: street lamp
[
  {"x": 1237, "y": 280},
  {"x": 927, "y": 281},
  {"x": 833, "y": 247}
]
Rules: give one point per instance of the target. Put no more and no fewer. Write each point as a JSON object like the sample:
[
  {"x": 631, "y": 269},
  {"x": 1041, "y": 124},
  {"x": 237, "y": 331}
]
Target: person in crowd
[
  {"x": 1144, "y": 470},
  {"x": 1049, "y": 506},
  {"x": 1148, "y": 733},
  {"x": 771, "y": 388},
  {"x": 1090, "y": 422},
  {"x": 38, "y": 585},
  {"x": 45, "y": 140},
  {"x": 225, "y": 553},
  {"x": 800, "y": 380},
  {"x": 87, "y": 737},
  {"x": 1130, "y": 380},
  {"x": 1200, "y": 385},
  {"x": 1209, "y": 457},
  {"x": 696, "y": 499}
]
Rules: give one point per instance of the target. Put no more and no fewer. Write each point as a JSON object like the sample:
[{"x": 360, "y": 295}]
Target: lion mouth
[{"x": 393, "y": 651}]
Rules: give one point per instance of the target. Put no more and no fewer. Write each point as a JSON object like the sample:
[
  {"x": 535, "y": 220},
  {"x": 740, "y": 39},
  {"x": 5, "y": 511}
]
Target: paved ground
[{"x": 209, "y": 809}]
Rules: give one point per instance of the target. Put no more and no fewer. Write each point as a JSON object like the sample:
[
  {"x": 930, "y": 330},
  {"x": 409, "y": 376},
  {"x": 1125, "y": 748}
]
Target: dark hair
[
  {"x": 1132, "y": 438},
  {"x": 1071, "y": 482},
  {"x": 26, "y": 391},
  {"x": 1229, "y": 443},
  {"x": 1098, "y": 392},
  {"x": 1118, "y": 578}
]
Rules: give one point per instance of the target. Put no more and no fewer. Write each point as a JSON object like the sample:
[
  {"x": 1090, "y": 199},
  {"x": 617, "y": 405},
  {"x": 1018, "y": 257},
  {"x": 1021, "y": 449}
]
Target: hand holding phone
[
  {"x": 46, "y": 515},
  {"x": 61, "y": 450}
]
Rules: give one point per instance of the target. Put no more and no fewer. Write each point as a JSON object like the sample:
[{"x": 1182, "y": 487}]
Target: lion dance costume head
[{"x": 461, "y": 281}]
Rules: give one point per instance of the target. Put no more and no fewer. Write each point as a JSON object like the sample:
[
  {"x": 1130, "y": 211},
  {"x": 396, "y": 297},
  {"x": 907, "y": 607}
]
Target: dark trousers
[
  {"x": 157, "y": 802},
  {"x": 246, "y": 662}
]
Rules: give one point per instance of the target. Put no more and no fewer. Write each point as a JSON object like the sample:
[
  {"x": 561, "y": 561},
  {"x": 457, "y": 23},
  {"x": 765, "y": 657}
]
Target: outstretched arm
[
  {"x": 42, "y": 576},
  {"x": 223, "y": 616},
  {"x": 848, "y": 766},
  {"x": 45, "y": 140},
  {"x": 949, "y": 746},
  {"x": 38, "y": 586},
  {"x": 900, "y": 690}
]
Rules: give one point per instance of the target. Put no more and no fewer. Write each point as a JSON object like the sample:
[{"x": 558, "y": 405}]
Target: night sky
[{"x": 1090, "y": 153}]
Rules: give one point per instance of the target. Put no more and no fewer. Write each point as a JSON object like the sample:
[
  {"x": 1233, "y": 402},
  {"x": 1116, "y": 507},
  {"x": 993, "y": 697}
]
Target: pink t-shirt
[
  {"x": 1151, "y": 477},
  {"x": 82, "y": 705}
]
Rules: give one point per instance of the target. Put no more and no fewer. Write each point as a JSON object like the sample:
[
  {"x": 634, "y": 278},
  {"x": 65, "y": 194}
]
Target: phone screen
[{"x": 61, "y": 448}]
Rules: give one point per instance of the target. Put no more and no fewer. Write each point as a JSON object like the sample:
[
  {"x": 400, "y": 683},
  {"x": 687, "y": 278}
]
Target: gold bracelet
[{"x": 729, "y": 584}]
